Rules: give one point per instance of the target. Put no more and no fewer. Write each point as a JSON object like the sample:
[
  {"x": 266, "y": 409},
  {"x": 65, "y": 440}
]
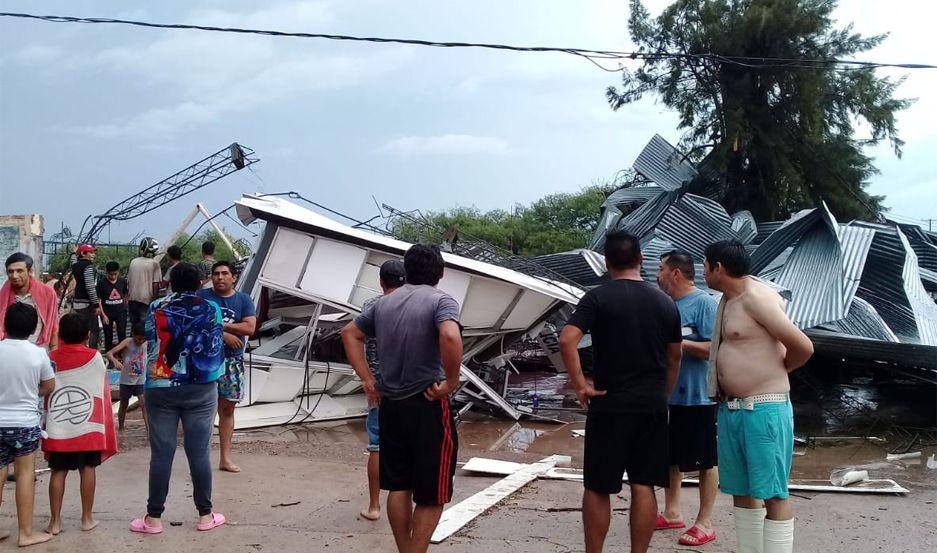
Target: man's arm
[
  {"x": 353, "y": 340},
  {"x": 243, "y": 328},
  {"x": 700, "y": 350},
  {"x": 450, "y": 349},
  {"x": 674, "y": 355},
  {"x": 569, "y": 350},
  {"x": 570, "y": 337},
  {"x": 767, "y": 311},
  {"x": 46, "y": 387}
]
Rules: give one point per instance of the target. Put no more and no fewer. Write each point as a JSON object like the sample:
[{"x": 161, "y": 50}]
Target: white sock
[
  {"x": 750, "y": 529},
  {"x": 779, "y": 536}
]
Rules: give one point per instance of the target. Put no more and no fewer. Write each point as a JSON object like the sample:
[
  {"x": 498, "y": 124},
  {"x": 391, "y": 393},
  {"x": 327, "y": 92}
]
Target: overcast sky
[{"x": 92, "y": 114}]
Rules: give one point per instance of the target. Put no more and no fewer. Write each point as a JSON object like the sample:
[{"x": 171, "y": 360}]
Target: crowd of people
[
  {"x": 182, "y": 362},
  {"x": 682, "y": 382}
]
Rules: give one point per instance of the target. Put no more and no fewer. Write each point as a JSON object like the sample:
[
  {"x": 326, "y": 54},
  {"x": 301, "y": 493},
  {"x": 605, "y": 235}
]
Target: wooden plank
[{"x": 466, "y": 510}]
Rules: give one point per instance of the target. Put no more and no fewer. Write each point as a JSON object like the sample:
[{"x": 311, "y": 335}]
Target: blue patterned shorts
[
  {"x": 18, "y": 442},
  {"x": 231, "y": 383}
]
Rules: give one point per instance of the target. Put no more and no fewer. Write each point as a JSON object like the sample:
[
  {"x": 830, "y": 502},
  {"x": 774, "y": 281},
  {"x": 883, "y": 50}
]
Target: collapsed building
[
  {"x": 310, "y": 275},
  {"x": 860, "y": 290}
]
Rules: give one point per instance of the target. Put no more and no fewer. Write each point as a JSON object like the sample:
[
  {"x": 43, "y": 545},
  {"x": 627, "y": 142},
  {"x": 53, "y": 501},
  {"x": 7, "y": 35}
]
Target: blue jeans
[{"x": 195, "y": 406}]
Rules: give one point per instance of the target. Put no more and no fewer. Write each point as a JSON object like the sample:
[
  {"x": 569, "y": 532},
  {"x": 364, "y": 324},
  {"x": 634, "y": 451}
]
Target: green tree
[
  {"x": 554, "y": 223},
  {"x": 191, "y": 251},
  {"x": 782, "y": 133}
]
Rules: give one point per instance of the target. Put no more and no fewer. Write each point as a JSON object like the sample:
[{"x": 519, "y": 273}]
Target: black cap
[{"x": 393, "y": 274}]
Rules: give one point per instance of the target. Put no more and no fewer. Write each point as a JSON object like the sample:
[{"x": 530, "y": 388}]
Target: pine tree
[{"x": 781, "y": 135}]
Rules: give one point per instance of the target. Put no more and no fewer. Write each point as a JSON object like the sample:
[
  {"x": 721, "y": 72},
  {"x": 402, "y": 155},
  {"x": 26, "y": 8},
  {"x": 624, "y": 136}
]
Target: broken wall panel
[{"x": 333, "y": 269}]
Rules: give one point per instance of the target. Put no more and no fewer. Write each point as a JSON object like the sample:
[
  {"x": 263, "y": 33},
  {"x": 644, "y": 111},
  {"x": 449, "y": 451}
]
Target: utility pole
[{"x": 930, "y": 224}]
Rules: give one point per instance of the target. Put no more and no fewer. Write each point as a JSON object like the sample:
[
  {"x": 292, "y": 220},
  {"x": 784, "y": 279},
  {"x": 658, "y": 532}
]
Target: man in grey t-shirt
[{"x": 419, "y": 344}]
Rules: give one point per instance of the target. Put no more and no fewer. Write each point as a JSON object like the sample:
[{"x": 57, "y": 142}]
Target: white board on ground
[
  {"x": 131, "y": 403},
  {"x": 465, "y": 511},
  {"x": 283, "y": 383},
  {"x": 481, "y": 465}
]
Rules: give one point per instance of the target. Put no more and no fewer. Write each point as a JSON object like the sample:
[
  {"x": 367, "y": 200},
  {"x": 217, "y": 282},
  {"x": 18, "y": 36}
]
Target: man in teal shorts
[{"x": 754, "y": 347}]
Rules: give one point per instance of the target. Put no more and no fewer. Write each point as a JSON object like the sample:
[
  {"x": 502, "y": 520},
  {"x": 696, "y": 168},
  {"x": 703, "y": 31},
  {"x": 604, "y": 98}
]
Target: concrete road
[{"x": 286, "y": 501}]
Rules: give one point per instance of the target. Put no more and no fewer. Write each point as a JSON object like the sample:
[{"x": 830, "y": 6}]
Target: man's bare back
[{"x": 750, "y": 359}]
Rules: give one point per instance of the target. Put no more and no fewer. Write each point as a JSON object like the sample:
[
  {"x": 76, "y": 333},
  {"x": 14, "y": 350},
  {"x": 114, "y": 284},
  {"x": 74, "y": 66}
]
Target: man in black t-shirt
[
  {"x": 112, "y": 292},
  {"x": 636, "y": 338}
]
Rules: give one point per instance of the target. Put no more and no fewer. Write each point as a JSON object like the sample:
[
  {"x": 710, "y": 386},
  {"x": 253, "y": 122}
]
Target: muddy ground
[{"x": 302, "y": 487}]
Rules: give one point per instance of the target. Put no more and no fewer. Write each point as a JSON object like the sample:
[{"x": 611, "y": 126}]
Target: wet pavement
[{"x": 303, "y": 485}]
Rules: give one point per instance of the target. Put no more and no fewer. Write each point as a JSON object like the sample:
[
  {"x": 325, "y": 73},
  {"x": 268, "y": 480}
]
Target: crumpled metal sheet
[
  {"x": 665, "y": 165},
  {"x": 922, "y": 245},
  {"x": 863, "y": 321},
  {"x": 693, "y": 222},
  {"x": 891, "y": 283},
  {"x": 814, "y": 275},
  {"x": 864, "y": 280},
  {"x": 744, "y": 225},
  {"x": 584, "y": 267}
]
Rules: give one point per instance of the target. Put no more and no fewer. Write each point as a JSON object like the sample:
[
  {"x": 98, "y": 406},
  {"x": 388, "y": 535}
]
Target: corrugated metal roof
[
  {"x": 929, "y": 279},
  {"x": 584, "y": 267},
  {"x": 784, "y": 237},
  {"x": 694, "y": 222},
  {"x": 642, "y": 221},
  {"x": 853, "y": 347},
  {"x": 862, "y": 320},
  {"x": 632, "y": 194},
  {"x": 765, "y": 230},
  {"x": 663, "y": 164},
  {"x": 924, "y": 308},
  {"x": 926, "y": 251},
  {"x": 855, "y": 243},
  {"x": 814, "y": 275},
  {"x": 743, "y": 223},
  {"x": 864, "y": 278},
  {"x": 882, "y": 283}
]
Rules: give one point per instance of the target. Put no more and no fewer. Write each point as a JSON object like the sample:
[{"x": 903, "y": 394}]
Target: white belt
[{"x": 748, "y": 403}]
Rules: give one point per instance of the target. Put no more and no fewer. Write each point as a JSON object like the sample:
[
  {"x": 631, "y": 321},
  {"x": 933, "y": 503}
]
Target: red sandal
[
  {"x": 664, "y": 524},
  {"x": 696, "y": 536}
]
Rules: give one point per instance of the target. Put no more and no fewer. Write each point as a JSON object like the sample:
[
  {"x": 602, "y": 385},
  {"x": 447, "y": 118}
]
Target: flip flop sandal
[
  {"x": 140, "y": 526},
  {"x": 698, "y": 535},
  {"x": 664, "y": 524},
  {"x": 217, "y": 519}
]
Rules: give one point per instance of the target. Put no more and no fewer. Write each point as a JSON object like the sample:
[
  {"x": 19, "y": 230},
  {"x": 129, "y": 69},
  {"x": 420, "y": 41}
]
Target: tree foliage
[
  {"x": 782, "y": 133},
  {"x": 554, "y": 223},
  {"x": 191, "y": 251}
]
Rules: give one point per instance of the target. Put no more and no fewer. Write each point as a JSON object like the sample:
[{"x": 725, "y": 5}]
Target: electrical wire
[{"x": 588, "y": 54}]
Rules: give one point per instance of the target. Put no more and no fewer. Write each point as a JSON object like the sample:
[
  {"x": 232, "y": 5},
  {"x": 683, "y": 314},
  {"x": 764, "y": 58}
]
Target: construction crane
[{"x": 194, "y": 177}]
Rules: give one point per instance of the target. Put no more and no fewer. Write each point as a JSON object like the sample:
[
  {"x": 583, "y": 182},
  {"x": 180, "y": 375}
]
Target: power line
[{"x": 588, "y": 54}]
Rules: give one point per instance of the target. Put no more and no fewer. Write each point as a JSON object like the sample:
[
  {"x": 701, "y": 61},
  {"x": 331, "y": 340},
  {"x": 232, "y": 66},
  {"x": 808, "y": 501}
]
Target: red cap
[{"x": 86, "y": 248}]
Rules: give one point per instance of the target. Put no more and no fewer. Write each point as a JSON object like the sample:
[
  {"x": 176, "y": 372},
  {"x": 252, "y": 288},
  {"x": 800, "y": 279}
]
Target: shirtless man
[{"x": 757, "y": 347}]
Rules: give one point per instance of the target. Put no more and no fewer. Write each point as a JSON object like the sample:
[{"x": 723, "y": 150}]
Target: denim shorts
[
  {"x": 18, "y": 442},
  {"x": 374, "y": 430},
  {"x": 756, "y": 449}
]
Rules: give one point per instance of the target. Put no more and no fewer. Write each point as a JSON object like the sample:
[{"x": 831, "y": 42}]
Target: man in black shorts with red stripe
[
  {"x": 419, "y": 343},
  {"x": 636, "y": 341}
]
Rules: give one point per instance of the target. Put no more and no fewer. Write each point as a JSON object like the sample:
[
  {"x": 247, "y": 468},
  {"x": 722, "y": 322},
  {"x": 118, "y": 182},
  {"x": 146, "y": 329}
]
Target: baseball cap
[
  {"x": 393, "y": 273},
  {"x": 86, "y": 248}
]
